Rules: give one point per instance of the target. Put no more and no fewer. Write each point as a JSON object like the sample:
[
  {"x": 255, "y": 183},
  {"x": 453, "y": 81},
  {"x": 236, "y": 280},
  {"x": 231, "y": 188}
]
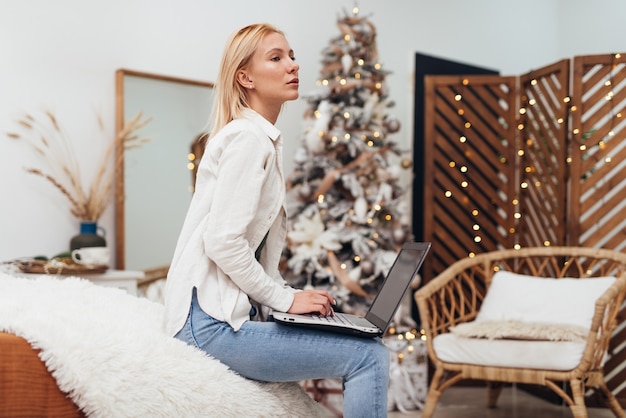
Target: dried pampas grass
[{"x": 47, "y": 138}]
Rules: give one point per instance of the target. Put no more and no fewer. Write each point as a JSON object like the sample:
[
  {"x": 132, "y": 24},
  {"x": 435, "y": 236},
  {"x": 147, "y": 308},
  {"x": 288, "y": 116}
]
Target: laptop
[{"x": 381, "y": 311}]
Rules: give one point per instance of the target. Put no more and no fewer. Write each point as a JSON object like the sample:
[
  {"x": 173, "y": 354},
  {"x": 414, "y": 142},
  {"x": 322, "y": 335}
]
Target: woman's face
[{"x": 273, "y": 73}]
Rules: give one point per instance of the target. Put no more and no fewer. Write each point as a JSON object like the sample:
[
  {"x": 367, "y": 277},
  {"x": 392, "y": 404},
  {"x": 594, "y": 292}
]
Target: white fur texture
[
  {"x": 108, "y": 351},
  {"x": 521, "y": 330}
]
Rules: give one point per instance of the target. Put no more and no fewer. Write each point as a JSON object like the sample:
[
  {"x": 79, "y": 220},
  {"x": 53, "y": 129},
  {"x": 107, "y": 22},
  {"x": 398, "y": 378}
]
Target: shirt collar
[{"x": 270, "y": 130}]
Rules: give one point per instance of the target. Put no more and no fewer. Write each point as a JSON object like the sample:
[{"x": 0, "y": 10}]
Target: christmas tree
[{"x": 348, "y": 215}]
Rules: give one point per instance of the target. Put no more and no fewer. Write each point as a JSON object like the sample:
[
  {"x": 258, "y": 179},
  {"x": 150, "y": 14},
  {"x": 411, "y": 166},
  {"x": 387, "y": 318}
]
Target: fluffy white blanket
[{"x": 107, "y": 350}]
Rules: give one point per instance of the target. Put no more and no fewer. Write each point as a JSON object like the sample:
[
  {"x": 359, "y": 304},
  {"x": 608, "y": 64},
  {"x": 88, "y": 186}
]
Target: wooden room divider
[{"x": 532, "y": 160}]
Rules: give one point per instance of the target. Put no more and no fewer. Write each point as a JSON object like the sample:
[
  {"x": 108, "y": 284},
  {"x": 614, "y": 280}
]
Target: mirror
[{"x": 154, "y": 182}]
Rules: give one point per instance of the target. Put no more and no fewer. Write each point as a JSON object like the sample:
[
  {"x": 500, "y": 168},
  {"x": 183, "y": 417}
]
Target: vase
[{"x": 90, "y": 236}]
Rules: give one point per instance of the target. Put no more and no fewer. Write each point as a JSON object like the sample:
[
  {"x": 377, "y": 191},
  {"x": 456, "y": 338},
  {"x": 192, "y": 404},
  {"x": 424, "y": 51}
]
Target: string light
[{"x": 191, "y": 157}]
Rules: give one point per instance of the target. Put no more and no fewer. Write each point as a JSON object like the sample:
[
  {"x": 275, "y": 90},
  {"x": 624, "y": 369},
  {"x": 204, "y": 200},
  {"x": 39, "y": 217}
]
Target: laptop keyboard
[{"x": 335, "y": 319}]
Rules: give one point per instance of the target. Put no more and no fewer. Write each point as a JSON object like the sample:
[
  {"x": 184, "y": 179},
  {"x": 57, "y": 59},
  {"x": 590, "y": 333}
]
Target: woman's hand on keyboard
[{"x": 312, "y": 301}]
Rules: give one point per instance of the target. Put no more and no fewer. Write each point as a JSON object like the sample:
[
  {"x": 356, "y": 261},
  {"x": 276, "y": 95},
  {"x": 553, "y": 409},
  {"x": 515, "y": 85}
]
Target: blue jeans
[{"x": 273, "y": 352}]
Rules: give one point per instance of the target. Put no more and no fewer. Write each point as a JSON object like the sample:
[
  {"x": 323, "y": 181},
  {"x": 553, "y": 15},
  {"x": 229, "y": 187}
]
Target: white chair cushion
[
  {"x": 519, "y": 297},
  {"x": 525, "y": 354}
]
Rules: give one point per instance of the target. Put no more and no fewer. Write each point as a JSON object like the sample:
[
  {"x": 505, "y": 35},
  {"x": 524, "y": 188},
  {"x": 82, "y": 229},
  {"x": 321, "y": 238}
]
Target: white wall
[{"x": 62, "y": 55}]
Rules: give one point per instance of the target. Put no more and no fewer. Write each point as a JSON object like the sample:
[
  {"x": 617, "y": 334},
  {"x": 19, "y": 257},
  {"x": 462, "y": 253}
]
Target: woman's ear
[{"x": 244, "y": 80}]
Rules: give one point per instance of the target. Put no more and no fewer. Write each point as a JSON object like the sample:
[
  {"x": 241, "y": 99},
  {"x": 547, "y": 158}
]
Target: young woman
[{"x": 223, "y": 280}]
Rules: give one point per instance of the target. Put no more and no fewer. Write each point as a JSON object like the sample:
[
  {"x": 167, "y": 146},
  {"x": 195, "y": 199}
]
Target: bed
[
  {"x": 27, "y": 389},
  {"x": 72, "y": 349}
]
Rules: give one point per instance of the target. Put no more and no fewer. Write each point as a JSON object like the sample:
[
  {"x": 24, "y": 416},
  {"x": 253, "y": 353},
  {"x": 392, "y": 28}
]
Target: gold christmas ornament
[{"x": 406, "y": 163}]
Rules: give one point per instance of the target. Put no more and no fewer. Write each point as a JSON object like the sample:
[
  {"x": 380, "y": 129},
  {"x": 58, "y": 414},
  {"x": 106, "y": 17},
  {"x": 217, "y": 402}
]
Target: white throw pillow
[{"x": 519, "y": 297}]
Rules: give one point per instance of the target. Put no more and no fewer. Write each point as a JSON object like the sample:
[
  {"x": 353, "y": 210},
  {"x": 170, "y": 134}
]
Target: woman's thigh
[{"x": 271, "y": 351}]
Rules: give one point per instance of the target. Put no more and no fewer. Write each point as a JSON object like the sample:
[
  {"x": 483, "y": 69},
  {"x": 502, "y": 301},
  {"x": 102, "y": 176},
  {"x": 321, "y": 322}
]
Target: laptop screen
[{"x": 398, "y": 279}]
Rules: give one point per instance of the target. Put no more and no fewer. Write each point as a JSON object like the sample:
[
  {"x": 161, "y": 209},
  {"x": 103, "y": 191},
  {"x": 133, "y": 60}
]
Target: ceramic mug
[{"x": 92, "y": 255}]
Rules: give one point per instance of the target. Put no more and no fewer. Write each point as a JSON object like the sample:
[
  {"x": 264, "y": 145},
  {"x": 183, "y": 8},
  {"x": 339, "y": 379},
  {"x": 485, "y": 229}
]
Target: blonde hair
[{"x": 230, "y": 98}]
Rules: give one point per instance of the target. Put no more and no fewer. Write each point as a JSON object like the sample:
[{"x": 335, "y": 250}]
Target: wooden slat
[
  {"x": 598, "y": 178},
  {"x": 479, "y": 214},
  {"x": 542, "y": 168}
]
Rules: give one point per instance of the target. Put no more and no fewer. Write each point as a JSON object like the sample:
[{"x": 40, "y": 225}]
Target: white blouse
[{"x": 239, "y": 196}]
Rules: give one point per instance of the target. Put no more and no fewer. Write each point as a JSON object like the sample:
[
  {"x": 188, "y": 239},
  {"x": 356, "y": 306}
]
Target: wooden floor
[{"x": 469, "y": 402}]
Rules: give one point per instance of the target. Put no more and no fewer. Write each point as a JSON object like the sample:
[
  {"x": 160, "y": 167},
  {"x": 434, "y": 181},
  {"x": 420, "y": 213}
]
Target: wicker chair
[{"x": 455, "y": 297}]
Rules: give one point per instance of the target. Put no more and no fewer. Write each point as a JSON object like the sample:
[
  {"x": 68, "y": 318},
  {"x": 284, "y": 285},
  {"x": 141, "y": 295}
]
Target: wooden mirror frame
[{"x": 152, "y": 272}]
